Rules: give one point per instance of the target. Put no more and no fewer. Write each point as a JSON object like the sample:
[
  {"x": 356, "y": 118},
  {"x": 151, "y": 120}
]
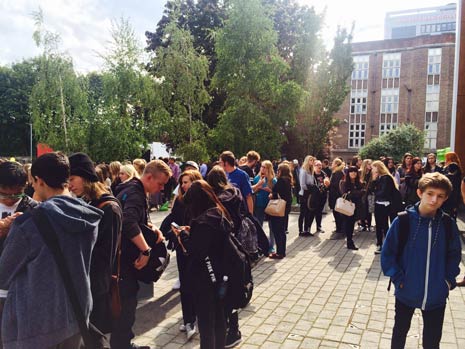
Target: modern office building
[
  {"x": 424, "y": 21},
  {"x": 397, "y": 81}
]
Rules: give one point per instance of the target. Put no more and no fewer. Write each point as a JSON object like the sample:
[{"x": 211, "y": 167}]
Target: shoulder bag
[
  {"x": 344, "y": 206},
  {"x": 276, "y": 207}
]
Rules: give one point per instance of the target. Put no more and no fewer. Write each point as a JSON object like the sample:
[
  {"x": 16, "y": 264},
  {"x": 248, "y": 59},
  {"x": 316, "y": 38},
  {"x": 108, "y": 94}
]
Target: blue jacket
[
  {"x": 428, "y": 260},
  {"x": 37, "y": 312}
]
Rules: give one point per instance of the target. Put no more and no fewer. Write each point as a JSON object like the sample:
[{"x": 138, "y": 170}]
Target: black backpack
[
  {"x": 237, "y": 267},
  {"x": 404, "y": 232}
]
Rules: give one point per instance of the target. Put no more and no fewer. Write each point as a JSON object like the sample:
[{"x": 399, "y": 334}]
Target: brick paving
[{"x": 320, "y": 296}]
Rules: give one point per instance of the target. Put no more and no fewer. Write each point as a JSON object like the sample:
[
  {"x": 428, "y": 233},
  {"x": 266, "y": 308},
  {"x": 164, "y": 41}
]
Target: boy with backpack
[{"x": 421, "y": 254}]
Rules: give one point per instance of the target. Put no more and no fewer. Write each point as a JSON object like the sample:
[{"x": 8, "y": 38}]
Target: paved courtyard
[{"x": 320, "y": 296}]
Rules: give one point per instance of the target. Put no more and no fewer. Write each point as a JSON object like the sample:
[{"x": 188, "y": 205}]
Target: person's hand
[
  {"x": 141, "y": 261},
  {"x": 267, "y": 189},
  {"x": 326, "y": 182},
  {"x": 6, "y": 223},
  {"x": 161, "y": 237}
]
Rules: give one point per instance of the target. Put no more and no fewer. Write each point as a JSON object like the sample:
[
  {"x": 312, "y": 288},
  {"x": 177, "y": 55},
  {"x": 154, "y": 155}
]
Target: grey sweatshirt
[{"x": 37, "y": 312}]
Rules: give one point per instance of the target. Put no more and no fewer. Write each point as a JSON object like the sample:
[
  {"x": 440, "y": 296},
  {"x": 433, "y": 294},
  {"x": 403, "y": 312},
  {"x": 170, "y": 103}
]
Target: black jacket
[
  {"x": 133, "y": 200},
  {"x": 354, "y": 193},
  {"x": 383, "y": 188},
  {"x": 283, "y": 188},
  {"x": 231, "y": 199},
  {"x": 104, "y": 252},
  {"x": 334, "y": 191},
  {"x": 206, "y": 239}
]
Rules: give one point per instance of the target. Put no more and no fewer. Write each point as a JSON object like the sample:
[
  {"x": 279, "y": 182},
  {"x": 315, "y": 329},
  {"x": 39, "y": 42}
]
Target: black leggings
[{"x": 382, "y": 223}]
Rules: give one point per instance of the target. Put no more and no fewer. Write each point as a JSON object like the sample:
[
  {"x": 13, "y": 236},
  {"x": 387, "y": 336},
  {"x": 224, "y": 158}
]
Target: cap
[{"x": 81, "y": 165}]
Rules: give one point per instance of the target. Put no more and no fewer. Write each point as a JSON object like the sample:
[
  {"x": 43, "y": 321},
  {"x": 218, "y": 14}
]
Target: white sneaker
[
  {"x": 191, "y": 329},
  {"x": 182, "y": 328},
  {"x": 177, "y": 285}
]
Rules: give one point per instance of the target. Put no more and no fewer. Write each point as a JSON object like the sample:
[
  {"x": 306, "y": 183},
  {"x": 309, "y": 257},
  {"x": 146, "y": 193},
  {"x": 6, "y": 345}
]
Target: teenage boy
[
  {"x": 37, "y": 311},
  {"x": 425, "y": 270}
]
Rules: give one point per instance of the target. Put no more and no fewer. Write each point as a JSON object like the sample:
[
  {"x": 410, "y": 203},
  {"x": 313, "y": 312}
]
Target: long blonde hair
[
  {"x": 383, "y": 170},
  {"x": 307, "y": 166},
  {"x": 339, "y": 165},
  {"x": 364, "y": 169},
  {"x": 270, "y": 173}
]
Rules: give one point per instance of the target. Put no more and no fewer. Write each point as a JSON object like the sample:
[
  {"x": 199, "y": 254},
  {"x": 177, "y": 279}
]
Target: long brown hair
[
  {"x": 93, "y": 190},
  {"x": 200, "y": 197},
  {"x": 193, "y": 175},
  {"x": 217, "y": 179}
]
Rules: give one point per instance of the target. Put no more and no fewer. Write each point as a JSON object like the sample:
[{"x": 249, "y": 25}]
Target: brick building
[{"x": 397, "y": 81}]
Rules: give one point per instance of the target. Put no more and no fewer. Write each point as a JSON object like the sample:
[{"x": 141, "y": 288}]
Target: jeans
[
  {"x": 432, "y": 326},
  {"x": 382, "y": 224},
  {"x": 259, "y": 213},
  {"x": 278, "y": 225},
  {"x": 122, "y": 329}
]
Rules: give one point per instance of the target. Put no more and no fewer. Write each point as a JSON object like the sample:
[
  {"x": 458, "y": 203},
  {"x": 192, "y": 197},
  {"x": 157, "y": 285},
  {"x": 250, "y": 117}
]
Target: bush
[{"x": 405, "y": 138}]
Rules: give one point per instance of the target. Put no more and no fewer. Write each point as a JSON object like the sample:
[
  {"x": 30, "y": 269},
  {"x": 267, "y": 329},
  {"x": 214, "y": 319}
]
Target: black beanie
[{"x": 82, "y": 166}]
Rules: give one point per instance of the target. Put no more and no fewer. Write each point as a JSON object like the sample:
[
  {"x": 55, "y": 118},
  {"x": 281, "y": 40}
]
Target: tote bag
[
  {"x": 344, "y": 206},
  {"x": 276, "y": 207}
]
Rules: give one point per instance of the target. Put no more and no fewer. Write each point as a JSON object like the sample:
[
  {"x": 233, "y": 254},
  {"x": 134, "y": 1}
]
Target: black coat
[
  {"x": 283, "y": 188},
  {"x": 354, "y": 192},
  {"x": 207, "y": 237},
  {"x": 334, "y": 188}
]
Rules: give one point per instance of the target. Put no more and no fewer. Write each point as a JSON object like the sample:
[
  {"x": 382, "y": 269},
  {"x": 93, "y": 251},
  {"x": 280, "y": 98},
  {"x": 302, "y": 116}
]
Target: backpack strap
[{"x": 403, "y": 234}]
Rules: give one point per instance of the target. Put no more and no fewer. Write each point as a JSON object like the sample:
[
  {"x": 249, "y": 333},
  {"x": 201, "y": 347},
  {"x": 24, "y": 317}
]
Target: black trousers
[
  {"x": 278, "y": 229},
  {"x": 382, "y": 223},
  {"x": 339, "y": 219},
  {"x": 187, "y": 298},
  {"x": 122, "y": 330},
  {"x": 210, "y": 319},
  {"x": 432, "y": 326},
  {"x": 349, "y": 224},
  {"x": 304, "y": 214}
]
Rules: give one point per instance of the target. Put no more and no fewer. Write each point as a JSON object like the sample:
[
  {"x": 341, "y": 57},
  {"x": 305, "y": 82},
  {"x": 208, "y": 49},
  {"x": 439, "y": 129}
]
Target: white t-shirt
[{"x": 6, "y": 211}]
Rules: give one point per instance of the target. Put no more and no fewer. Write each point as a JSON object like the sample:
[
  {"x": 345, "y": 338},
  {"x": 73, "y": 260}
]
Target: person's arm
[
  {"x": 462, "y": 189},
  {"x": 258, "y": 183},
  {"x": 389, "y": 263},
  {"x": 250, "y": 203},
  {"x": 454, "y": 256}
]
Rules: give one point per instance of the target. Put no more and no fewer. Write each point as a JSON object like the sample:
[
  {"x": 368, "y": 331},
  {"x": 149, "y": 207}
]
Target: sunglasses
[{"x": 11, "y": 196}]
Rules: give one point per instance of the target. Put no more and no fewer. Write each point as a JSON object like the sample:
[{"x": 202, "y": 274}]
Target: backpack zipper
[{"x": 428, "y": 256}]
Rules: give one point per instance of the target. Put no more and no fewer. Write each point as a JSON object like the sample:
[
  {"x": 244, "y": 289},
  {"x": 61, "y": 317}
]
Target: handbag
[
  {"x": 371, "y": 203},
  {"x": 92, "y": 337},
  {"x": 115, "y": 299},
  {"x": 344, "y": 206},
  {"x": 276, "y": 207}
]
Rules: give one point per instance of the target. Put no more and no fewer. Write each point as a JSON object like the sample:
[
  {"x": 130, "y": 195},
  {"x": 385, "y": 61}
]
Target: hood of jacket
[{"x": 71, "y": 215}]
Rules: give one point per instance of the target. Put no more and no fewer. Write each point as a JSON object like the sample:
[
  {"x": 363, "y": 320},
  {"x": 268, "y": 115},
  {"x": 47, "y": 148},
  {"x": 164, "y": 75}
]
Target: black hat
[{"x": 82, "y": 166}]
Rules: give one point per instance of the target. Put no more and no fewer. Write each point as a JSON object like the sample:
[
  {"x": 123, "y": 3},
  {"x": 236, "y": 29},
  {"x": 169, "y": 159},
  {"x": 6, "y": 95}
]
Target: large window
[
  {"x": 358, "y": 102},
  {"x": 391, "y": 65},
  {"x": 432, "y": 97},
  {"x": 389, "y": 110}
]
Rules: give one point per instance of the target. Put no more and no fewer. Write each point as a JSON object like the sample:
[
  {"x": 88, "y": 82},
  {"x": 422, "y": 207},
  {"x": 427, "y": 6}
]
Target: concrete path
[{"x": 320, "y": 296}]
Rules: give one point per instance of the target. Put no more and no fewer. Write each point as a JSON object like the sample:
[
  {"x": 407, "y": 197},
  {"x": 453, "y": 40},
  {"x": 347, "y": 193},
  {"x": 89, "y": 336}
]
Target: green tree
[
  {"x": 182, "y": 73},
  {"x": 58, "y": 101},
  {"x": 325, "y": 83},
  {"x": 405, "y": 138},
  {"x": 16, "y": 84},
  {"x": 261, "y": 100},
  {"x": 124, "y": 100}
]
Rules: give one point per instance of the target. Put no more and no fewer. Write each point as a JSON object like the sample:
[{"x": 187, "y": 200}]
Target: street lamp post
[{"x": 30, "y": 139}]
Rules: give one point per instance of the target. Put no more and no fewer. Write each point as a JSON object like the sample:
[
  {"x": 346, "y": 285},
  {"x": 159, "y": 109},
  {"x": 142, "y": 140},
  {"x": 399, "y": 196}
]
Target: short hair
[
  {"x": 228, "y": 157},
  {"x": 253, "y": 156},
  {"x": 53, "y": 169},
  {"x": 435, "y": 180},
  {"x": 155, "y": 167},
  {"x": 12, "y": 175}
]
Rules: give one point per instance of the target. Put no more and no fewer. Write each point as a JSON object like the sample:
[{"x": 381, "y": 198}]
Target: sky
[{"x": 84, "y": 25}]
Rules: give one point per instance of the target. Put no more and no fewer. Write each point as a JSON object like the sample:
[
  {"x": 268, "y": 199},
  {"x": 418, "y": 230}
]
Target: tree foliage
[
  {"x": 405, "y": 138},
  {"x": 182, "y": 73},
  {"x": 261, "y": 99}
]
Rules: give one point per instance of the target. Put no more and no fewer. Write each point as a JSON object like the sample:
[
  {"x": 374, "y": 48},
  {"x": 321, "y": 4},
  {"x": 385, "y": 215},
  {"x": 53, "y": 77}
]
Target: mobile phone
[{"x": 175, "y": 225}]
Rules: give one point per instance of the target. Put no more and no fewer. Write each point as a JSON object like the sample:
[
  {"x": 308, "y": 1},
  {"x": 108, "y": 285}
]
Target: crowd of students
[{"x": 110, "y": 204}]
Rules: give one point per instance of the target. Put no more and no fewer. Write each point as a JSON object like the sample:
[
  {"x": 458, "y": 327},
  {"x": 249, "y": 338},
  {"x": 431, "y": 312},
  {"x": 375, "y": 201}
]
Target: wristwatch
[{"x": 146, "y": 252}]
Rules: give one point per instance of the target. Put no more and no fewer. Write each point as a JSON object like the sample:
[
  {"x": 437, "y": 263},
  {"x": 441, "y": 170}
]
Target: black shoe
[
  {"x": 352, "y": 247},
  {"x": 233, "y": 339}
]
